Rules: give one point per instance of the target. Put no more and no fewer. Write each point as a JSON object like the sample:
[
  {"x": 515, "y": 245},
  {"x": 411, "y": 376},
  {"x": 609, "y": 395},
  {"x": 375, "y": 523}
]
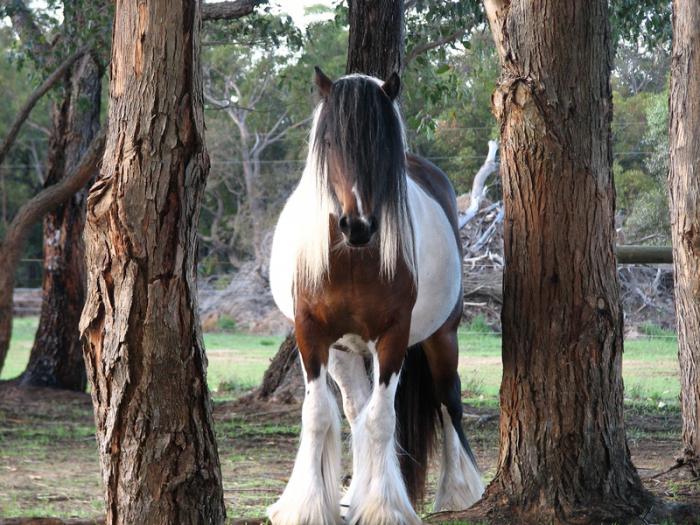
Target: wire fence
[{"x": 29, "y": 295}]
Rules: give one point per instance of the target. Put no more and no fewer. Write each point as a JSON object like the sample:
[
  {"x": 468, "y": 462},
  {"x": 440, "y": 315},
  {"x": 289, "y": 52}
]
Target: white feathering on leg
[
  {"x": 311, "y": 495},
  {"x": 379, "y": 495},
  {"x": 348, "y": 371},
  {"x": 460, "y": 484}
]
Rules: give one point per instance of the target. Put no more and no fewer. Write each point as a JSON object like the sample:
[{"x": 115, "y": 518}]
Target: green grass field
[
  {"x": 238, "y": 361},
  {"x": 48, "y": 464}
]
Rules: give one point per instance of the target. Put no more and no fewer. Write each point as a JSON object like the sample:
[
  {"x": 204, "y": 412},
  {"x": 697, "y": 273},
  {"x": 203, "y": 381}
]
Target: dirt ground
[{"x": 49, "y": 465}]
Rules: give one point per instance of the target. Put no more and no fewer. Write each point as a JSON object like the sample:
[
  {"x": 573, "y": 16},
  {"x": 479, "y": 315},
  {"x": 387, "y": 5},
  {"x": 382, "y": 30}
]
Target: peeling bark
[
  {"x": 140, "y": 327},
  {"x": 684, "y": 186},
  {"x": 564, "y": 455}
]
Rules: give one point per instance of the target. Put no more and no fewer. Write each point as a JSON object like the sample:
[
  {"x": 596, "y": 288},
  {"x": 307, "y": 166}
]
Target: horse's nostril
[{"x": 344, "y": 223}]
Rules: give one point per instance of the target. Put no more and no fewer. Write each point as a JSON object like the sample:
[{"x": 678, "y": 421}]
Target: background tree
[
  {"x": 562, "y": 324},
  {"x": 684, "y": 185},
  {"x": 56, "y": 358},
  {"x": 158, "y": 453},
  {"x": 376, "y": 37},
  {"x": 251, "y": 96}
]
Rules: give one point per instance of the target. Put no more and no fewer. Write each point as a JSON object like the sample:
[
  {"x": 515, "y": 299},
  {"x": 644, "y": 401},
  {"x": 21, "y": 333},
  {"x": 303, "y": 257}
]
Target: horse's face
[
  {"x": 352, "y": 138},
  {"x": 358, "y": 220}
]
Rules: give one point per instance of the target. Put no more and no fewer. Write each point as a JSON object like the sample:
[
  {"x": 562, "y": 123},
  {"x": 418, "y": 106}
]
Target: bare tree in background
[{"x": 251, "y": 144}]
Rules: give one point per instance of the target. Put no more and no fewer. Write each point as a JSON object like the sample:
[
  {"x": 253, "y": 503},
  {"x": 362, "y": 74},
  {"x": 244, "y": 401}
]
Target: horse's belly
[
  {"x": 438, "y": 263},
  {"x": 283, "y": 258}
]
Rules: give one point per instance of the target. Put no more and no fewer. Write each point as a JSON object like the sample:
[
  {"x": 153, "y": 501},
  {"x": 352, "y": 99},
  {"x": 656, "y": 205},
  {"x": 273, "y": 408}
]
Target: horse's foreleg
[
  {"x": 311, "y": 495},
  {"x": 379, "y": 495}
]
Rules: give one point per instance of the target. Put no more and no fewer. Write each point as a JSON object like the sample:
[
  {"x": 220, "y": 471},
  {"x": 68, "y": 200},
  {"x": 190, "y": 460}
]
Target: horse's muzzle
[{"x": 358, "y": 231}]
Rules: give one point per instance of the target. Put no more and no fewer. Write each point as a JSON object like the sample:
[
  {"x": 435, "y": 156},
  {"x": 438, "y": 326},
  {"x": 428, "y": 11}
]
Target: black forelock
[{"x": 359, "y": 122}]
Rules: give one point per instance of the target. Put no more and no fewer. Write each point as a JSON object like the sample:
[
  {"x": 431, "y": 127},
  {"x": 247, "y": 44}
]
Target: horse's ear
[
  {"x": 392, "y": 86},
  {"x": 323, "y": 83}
]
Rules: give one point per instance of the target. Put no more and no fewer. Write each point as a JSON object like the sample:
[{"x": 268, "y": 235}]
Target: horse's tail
[{"x": 417, "y": 417}]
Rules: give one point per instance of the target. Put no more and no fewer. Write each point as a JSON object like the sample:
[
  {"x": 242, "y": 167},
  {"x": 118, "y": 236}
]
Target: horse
[{"x": 366, "y": 261}]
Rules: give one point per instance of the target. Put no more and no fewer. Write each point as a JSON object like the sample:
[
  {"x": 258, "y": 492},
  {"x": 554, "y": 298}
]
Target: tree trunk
[
  {"x": 563, "y": 455},
  {"x": 684, "y": 185},
  {"x": 33, "y": 210},
  {"x": 375, "y": 44},
  {"x": 283, "y": 381},
  {"x": 56, "y": 359},
  {"x": 140, "y": 326}
]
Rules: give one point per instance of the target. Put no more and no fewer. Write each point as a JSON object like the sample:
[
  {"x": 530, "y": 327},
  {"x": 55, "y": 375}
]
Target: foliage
[
  {"x": 226, "y": 323},
  {"x": 656, "y": 138},
  {"x": 649, "y": 219},
  {"x": 645, "y": 20},
  {"x": 22, "y": 172},
  {"x": 446, "y": 102},
  {"x": 479, "y": 325},
  {"x": 631, "y": 185}
]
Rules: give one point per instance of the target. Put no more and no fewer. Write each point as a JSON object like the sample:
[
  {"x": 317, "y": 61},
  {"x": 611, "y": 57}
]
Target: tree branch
[
  {"x": 50, "y": 197},
  {"x": 23, "y": 114},
  {"x": 427, "y": 46},
  {"x": 495, "y": 13},
  {"x": 229, "y": 10},
  {"x": 490, "y": 166}
]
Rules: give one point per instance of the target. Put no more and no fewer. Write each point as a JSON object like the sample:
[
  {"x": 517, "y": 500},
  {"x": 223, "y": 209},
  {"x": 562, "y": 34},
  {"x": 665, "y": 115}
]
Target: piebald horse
[{"x": 366, "y": 260}]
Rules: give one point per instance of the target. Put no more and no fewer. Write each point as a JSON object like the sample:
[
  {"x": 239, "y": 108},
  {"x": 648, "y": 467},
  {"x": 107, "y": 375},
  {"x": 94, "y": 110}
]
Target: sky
[{"x": 295, "y": 8}]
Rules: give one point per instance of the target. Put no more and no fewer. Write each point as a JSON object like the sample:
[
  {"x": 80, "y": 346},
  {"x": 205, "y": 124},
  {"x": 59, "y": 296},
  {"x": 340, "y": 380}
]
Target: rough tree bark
[
  {"x": 56, "y": 359},
  {"x": 140, "y": 326},
  {"x": 375, "y": 45},
  {"x": 563, "y": 454},
  {"x": 684, "y": 185},
  {"x": 28, "y": 214}
]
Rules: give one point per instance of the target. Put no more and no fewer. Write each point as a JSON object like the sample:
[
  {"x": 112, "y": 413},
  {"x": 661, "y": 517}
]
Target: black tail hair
[{"x": 417, "y": 418}]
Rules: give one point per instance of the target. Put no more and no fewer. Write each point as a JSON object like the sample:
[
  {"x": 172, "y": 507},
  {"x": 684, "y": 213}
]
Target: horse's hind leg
[
  {"x": 311, "y": 495},
  {"x": 346, "y": 365},
  {"x": 460, "y": 484}
]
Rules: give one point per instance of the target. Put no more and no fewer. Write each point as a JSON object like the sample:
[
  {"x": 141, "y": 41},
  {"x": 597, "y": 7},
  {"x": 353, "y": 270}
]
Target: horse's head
[{"x": 359, "y": 141}]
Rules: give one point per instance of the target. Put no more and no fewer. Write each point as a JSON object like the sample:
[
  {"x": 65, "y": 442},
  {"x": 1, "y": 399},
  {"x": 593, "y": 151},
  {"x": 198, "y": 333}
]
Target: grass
[
  {"x": 237, "y": 361},
  {"x": 51, "y": 468}
]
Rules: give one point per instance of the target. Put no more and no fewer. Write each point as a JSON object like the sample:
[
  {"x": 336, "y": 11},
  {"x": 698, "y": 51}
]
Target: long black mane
[{"x": 358, "y": 120}]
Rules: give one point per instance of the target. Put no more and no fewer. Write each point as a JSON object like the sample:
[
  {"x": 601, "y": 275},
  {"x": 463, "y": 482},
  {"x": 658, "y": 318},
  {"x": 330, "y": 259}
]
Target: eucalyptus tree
[
  {"x": 56, "y": 357},
  {"x": 140, "y": 325},
  {"x": 684, "y": 185},
  {"x": 562, "y": 322}
]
